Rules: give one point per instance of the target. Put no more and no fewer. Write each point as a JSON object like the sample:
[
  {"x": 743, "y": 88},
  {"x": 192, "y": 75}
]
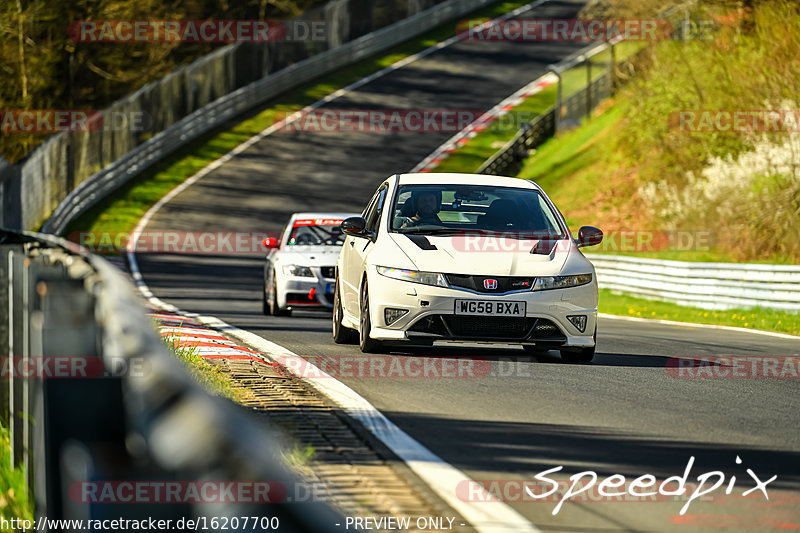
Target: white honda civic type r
[
  {"x": 299, "y": 267},
  {"x": 466, "y": 258}
]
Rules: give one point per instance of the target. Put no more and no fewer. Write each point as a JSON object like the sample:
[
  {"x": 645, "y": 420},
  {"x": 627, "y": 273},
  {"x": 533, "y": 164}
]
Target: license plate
[{"x": 490, "y": 308}]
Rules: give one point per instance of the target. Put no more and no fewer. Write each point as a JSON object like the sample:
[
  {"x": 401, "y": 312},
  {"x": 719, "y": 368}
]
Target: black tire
[
  {"x": 264, "y": 303},
  {"x": 341, "y": 334},
  {"x": 365, "y": 342},
  {"x": 581, "y": 355},
  {"x": 273, "y": 301}
]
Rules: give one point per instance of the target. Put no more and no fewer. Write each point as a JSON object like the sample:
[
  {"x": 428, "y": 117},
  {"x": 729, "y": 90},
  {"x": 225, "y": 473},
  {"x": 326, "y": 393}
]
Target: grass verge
[
  {"x": 206, "y": 374},
  {"x": 615, "y": 303},
  {"x": 121, "y": 211},
  {"x": 14, "y": 502}
]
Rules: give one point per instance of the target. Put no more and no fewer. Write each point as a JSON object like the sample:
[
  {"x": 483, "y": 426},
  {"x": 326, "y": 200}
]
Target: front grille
[
  {"x": 488, "y": 327},
  {"x": 502, "y": 283},
  {"x": 494, "y": 327},
  {"x": 328, "y": 272}
]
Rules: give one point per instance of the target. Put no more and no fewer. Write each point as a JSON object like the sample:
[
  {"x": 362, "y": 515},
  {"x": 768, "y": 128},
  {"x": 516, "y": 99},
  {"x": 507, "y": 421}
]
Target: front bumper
[
  {"x": 431, "y": 315},
  {"x": 301, "y": 292}
]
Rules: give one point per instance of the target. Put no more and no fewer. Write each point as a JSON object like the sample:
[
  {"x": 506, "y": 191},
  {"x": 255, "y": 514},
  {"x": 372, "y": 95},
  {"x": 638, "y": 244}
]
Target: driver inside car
[{"x": 425, "y": 205}]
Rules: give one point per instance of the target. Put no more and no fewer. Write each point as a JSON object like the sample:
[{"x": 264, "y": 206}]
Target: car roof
[
  {"x": 450, "y": 178},
  {"x": 322, "y": 214}
]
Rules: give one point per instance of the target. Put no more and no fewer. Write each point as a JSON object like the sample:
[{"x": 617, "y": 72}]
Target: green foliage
[
  {"x": 14, "y": 502},
  {"x": 43, "y": 68},
  {"x": 205, "y": 373},
  {"x": 633, "y": 167}
]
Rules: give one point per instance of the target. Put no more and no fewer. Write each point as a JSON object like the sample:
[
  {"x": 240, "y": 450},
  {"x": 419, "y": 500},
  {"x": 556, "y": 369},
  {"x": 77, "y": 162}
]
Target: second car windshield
[
  {"x": 315, "y": 235},
  {"x": 443, "y": 208}
]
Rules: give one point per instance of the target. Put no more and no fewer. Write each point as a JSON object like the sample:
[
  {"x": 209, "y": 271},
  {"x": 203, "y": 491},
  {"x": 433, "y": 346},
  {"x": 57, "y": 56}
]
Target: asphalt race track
[{"x": 623, "y": 414}]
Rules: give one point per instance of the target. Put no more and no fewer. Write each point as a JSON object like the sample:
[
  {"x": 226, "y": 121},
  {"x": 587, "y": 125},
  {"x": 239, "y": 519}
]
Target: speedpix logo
[{"x": 617, "y": 486}]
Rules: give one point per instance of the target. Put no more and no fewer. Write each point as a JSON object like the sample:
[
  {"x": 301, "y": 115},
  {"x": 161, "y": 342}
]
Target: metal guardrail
[
  {"x": 137, "y": 415},
  {"x": 703, "y": 285},
  {"x": 569, "y": 111},
  {"x": 246, "y": 98},
  {"x": 566, "y": 112}
]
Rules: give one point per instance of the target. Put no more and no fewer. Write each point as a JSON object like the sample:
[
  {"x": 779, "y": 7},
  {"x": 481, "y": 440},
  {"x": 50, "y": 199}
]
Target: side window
[
  {"x": 370, "y": 206},
  {"x": 374, "y": 215}
]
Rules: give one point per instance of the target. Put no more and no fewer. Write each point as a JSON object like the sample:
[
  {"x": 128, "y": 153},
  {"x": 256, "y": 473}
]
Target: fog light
[
  {"x": 579, "y": 321},
  {"x": 393, "y": 315}
]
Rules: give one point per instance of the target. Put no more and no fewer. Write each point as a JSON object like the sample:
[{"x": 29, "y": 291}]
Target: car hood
[
  {"x": 310, "y": 255},
  {"x": 484, "y": 255}
]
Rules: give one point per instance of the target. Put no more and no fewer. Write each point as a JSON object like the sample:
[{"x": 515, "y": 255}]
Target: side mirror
[
  {"x": 589, "y": 236},
  {"x": 356, "y": 226},
  {"x": 270, "y": 243}
]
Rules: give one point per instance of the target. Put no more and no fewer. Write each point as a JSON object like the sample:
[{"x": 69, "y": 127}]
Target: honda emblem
[{"x": 490, "y": 284}]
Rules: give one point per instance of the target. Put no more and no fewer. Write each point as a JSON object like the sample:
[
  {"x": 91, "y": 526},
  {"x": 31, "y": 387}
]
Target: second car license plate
[{"x": 490, "y": 308}]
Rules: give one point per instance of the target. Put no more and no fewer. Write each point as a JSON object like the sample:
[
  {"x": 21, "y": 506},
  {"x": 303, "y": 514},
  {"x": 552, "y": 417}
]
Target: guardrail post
[
  {"x": 559, "y": 96},
  {"x": 64, "y": 326},
  {"x": 19, "y": 301},
  {"x": 612, "y": 70},
  {"x": 588, "y": 87}
]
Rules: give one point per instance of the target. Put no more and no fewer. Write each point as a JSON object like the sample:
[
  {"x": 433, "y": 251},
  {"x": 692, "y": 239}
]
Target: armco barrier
[
  {"x": 704, "y": 285},
  {"x": 132, "y": 413},
  {"x": 570, "y": 109},
  {"x": 42, "y": 191},
  {"x": 508, "y": 160}
]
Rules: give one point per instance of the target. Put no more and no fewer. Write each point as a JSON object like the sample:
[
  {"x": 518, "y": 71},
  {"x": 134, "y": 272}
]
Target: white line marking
[
  {"x": 488, "y": 516},
  {"x": 695, "y": 325}
]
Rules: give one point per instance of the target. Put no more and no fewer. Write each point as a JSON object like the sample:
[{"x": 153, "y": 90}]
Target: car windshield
[
  {"x": 316, "y": 232},
  {"x": 442, "y": 209}
]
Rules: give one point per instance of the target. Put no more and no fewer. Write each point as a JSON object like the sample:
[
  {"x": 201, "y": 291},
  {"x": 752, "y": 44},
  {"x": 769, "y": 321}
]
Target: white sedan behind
[{"x": 299, "y": 267}]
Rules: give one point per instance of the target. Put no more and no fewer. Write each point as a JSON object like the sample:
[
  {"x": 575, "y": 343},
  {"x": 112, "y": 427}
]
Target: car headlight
[
  {"x": 544, "y": 283},
  {"x": 415, "y": 276},
  {"x": 298, "y": 271}
]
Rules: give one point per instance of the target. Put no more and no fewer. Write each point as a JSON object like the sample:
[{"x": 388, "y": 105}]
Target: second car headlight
[
  {"x": 415, "y": 276},
  {"x": 298, "y": 271},
  {"x": 544, "y": 283}
]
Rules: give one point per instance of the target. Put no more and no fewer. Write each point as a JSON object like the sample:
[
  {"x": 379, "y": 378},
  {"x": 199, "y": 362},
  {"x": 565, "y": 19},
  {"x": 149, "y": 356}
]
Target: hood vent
[{"x": 422, "y": 242}]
